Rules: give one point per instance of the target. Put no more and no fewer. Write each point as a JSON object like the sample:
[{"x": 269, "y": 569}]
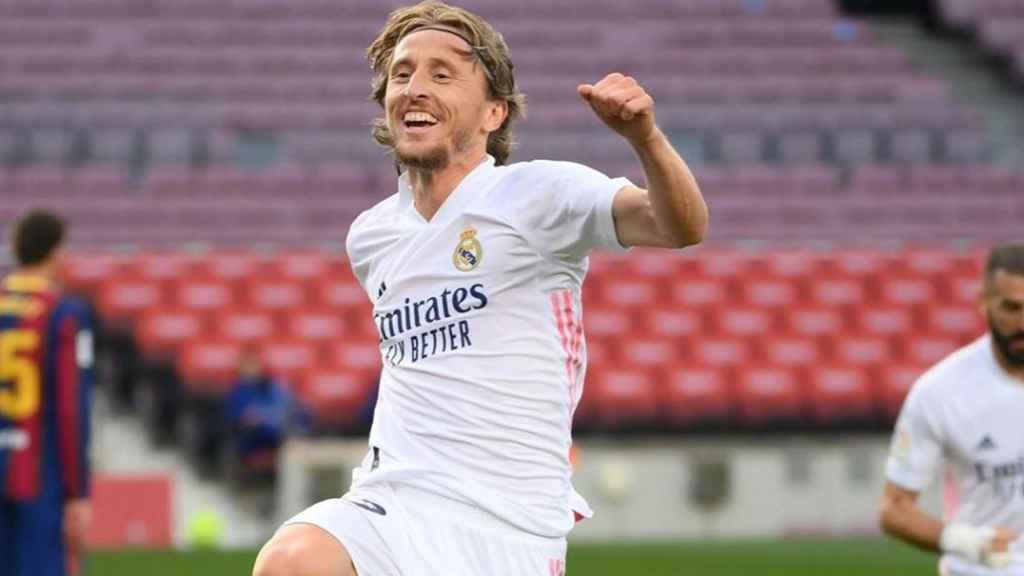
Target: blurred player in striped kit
[
  {"x": 45, "y": 382},
  {"x": 964, "y": 416}
]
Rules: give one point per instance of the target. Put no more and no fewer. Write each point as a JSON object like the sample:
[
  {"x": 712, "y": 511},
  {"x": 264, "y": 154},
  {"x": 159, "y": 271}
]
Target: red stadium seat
[
  {"x": 337, "y": 397},
  {"x": 649, "y": 352},
  {"x": 768, "y": 395},
  {"x": 771, "y": 293},
  {"x": 696, "y": 395},
  {"x": 815, "y": 321},
  {"x": 340, "y": 292},
  {"x": 958, "y": 321},
  {"x": 248, "y": 326},
  {"x": 964, "y": 289},
  {"x": 209, "y": 366},
  {"x": 894, "y": 383},
  {"x": 792, "y": 351},
  {"x": 907, "y": 290},
  {"x": 354, "y": 355},
  {"x": 302, "y": 266},
  {"x": 830, "y": 292},
  {"x": 861, "y": 350},
  {"x": 321, "y": 325},
  {"x": 621, "y": 398},
  {"x": 745, "y": 322},
  {"x": 288, "y": 359},
  {"x": 607, "y": 322},
  {"x": 85, "y": 272},
  {"x": 124, "y": 299},
  {"x": 163, "y": 331},
  {"x": 887, "y": 321},
  {"x": 698, "y": 293},
  {"x": 721, "y": 352},
  {"x": 840, "y": 394},
  {"x": 673, "y": 324},
  {"x": 276, "y": 294},
  {"x": 926, "y": 350},
  {"x": 630, "y": 292},
  {"x": 166, "y": 266},
  {"x": 232, "y": 266},
  {"x": 205, "y": 295}
]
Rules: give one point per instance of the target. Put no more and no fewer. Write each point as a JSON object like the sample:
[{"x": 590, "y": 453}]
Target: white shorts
[{"x": 396, "y": 530}]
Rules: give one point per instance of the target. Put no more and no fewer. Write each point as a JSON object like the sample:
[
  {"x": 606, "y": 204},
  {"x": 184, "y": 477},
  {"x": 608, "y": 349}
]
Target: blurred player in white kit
[
  {"x": 967, "y": 413},
  {"x": 474, "y": 267}
]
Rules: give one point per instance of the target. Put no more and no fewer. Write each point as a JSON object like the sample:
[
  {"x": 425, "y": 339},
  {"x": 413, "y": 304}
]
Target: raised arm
[{"x": 671, "y": 212}]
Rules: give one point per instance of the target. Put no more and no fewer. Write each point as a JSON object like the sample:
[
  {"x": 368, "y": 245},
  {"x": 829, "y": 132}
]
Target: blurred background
[{"x": 858, "y": 159}]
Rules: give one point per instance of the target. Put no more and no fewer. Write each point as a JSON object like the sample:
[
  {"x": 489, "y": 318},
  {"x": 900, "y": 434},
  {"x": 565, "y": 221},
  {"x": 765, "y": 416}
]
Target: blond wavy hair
[{"x": 488, "y": 46}]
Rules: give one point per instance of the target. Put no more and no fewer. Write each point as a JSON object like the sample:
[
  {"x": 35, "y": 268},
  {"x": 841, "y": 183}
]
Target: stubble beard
[
  {"x": 1004, "y": 344},
  {"x": 434, "y": 159}
]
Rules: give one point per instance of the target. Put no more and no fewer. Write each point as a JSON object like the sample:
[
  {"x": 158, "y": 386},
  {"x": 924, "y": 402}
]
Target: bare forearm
[
  {"x": 908, "y": 522},
  {"x": 676, "y": 201}
]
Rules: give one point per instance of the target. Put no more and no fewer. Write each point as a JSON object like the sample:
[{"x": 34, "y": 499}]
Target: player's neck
[
  {"x": 46, "y": 270},
  {"x": 430, "y": 188}
]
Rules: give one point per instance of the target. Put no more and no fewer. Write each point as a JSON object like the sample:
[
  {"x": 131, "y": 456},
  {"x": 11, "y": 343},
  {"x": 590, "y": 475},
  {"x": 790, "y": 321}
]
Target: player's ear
[{"x": 497, "y": 111}]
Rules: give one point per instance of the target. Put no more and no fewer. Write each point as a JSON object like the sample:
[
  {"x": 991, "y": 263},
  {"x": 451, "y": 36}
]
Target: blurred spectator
[{"x": 260, "y": 413}]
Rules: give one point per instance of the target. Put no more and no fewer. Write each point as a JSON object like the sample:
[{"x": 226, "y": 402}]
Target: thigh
[{"x": 356, "y": 528}]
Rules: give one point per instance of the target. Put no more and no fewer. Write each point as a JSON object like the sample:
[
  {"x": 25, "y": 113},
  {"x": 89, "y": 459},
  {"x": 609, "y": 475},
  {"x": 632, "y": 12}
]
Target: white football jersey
[
  {"x": 478, "y": 311},
  {"x": 965, "y": 413}
]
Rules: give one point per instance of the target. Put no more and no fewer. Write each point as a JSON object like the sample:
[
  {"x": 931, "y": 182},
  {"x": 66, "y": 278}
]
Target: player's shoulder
[
  {"x": 377, "y": 216},
  {"x": 954, "y": 371},
  {"x": 550, "y": 170}
]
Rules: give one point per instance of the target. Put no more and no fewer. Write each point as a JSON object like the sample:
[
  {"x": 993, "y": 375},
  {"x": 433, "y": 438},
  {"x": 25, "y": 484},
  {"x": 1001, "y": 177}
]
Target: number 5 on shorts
[{"x": 19, "y": 376}]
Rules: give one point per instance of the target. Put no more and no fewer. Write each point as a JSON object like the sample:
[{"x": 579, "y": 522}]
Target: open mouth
[{"x": 419, "y": 121}]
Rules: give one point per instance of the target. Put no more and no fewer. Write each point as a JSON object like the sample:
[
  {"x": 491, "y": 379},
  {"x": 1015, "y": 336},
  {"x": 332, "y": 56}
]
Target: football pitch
[{"x": 857, "y": 557}]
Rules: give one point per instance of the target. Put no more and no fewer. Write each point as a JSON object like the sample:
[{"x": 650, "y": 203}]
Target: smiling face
[
  {"x": 436, "y": 102},
  {"x": 1003, "y": 304}
]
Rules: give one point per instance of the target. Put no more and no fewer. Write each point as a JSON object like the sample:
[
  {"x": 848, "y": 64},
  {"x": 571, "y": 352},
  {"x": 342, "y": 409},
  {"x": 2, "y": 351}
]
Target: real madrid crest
[{"x": 469, "y": 252}]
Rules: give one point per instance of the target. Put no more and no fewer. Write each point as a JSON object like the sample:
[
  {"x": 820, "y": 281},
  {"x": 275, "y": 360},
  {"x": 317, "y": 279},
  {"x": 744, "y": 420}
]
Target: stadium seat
[
  {"x": 745, "y": 322},
  {"x": 288, "y": 360},
  {"x": 276, "y": 295},
  {"x": 355, "y": 355},
  {"x": 722, "y": 352},
  {"x": 621, "y": 398},
  {"x": 338, "y": 398},
  {"x": 791, "y": 352},
  {"x": 231, "y": 266},
  {"x": 205, "y": 296},
  {"x": 649, "y": 352},
  {"x": 695, "y": 395},
  {"x": 957, "y": 321},
  {"x": 861, "y": 350},
  {"x": 84, "y": 273},
  {"x": 207, "y": 367},
  {"x": 671, "y": 324},
  {"x": 814, "y": 321},
  {"x": 245, "y": 326},
  {"x": 886, "y": 321},
  {"x": 925, "y": 349},
  {"x": 123, "y": 299},
  {"x": 162, "y": 331},
  {"x": 769, "y": 396},
  {"x": 894, "y": 382},
  {"x": 831, "y": 292},
  {"x": 839, "y": 395},
  {"x": 317, "y": 325}
]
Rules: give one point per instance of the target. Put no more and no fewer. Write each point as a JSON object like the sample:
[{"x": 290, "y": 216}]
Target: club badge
[{"x": 469, "y": 252}]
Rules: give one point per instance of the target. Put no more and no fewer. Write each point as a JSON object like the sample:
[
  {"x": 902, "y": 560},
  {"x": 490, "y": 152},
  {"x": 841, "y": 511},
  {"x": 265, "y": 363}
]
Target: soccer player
[
  {"x": 45, "y": 380},
  {"x": 474, "y": 267},
  {"x": 965, "y": 413}
]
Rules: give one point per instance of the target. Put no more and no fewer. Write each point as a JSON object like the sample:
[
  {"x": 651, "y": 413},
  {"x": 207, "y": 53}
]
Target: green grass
[{"x": 858, "y": 557}]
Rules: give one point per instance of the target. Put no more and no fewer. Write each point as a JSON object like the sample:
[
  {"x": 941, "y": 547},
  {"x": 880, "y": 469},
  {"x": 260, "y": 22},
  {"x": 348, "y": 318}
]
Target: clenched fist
[{"x": 623, "y": 105}]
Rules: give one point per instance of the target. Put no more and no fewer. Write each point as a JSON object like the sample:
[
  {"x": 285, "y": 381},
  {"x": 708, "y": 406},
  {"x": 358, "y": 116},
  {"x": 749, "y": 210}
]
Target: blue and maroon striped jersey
[{"x": 45, "y": 386}]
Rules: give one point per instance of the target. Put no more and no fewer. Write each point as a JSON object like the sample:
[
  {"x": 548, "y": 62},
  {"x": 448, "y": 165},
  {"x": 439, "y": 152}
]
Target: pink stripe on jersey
[
  {"x": 562, "y": 321},
  {"x": 575, "y": 341},
  {"x": 950, "y": 495}
]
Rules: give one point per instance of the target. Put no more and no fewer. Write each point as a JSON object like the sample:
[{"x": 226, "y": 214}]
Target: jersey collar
[
  {"x": 27, "y": 283},
  {"x": 455, "y": 201}
]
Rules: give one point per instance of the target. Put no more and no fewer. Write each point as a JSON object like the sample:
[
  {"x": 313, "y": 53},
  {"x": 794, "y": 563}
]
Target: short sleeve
[
  {"x": 568, "y": 209},
  {"x": 915, "y": 453}
]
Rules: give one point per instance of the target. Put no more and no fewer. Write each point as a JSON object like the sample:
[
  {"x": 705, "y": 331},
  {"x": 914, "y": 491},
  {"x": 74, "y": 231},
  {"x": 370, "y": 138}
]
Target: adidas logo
[
  {"x": 986, "y": 443},
  {"x": 381, "y": 289}
]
